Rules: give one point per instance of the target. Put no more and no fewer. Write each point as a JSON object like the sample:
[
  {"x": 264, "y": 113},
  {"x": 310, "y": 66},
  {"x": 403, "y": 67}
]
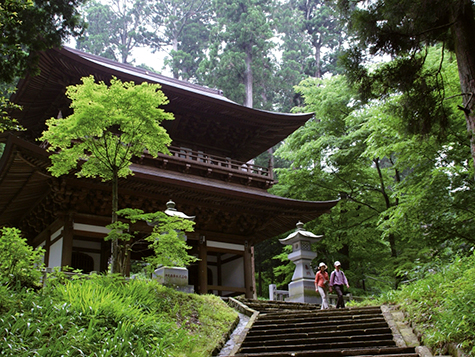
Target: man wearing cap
[
  {"x": 321, "y": 284},
  {"x": 337, "y": 281}
]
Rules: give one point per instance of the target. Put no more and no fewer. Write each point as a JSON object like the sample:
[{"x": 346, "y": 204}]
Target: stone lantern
[
  {"x": 176, "y": 277},
  {"x": 302, "y": 287}
]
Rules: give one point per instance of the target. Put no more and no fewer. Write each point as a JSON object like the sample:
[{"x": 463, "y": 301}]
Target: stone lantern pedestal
[{"x": 302, "y": 287}]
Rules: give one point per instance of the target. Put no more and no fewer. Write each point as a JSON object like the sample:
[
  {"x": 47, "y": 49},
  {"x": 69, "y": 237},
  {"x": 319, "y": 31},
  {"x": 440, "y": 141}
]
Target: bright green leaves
[
  {"x": 109, "y": 126},
  {"x": 167, "y": 239},
  {"x": 19, "y": 262}
]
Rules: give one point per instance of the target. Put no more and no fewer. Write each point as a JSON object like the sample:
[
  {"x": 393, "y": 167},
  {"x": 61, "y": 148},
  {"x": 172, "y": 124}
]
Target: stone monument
[{"x": 302, "y": 287}]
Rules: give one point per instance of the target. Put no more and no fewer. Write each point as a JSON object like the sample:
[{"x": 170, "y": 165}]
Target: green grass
[
  {"x": 441, "y": 305},
  {"x": 104, "y": 316}
]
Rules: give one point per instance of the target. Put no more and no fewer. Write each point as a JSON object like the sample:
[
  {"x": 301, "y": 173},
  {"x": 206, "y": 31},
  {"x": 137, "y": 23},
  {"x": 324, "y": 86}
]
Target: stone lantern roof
[
  {"x": 172, "y": 211},
  {"x": 299, "y": 235}
]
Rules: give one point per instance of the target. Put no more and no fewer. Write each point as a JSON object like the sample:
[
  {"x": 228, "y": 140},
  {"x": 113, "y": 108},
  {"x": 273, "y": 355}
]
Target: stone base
[
  {"x": 303, "y": 291},
  {"x": 172, "y": 276}
]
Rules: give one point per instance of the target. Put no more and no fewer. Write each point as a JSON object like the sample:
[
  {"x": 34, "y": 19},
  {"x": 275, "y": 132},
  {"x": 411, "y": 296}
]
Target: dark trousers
[{"x": 340, "y": 303}]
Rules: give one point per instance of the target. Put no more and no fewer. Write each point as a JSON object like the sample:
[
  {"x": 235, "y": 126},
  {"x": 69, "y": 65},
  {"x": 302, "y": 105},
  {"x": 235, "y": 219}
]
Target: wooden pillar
[
  {"x": 203, "y": 266},
  {"x": 68, "y": 234},
  {"x": 105, "y": 255},
  {"x": 248, "y": 271},
  {"x": 219, "y": 267},
  {"x": 47, "y": 247},
  {"x": 253, "y": 274}
]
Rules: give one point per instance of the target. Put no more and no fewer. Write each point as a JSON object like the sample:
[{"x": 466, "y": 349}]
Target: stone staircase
[{"x": 283, "y": 329}]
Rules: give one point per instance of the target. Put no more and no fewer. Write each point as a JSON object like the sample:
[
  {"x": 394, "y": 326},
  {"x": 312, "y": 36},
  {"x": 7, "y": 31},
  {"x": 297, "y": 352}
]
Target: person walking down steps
[
  {"x": 338, "y": 281},
  {"x": 321, "y": 284}
]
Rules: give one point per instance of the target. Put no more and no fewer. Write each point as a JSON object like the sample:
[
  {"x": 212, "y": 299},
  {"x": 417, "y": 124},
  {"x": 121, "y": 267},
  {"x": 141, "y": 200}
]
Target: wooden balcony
[{"x": 212, "y": 166}]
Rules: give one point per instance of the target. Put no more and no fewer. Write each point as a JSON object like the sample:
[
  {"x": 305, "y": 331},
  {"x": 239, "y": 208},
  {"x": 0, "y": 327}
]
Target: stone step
[
  {"x": 312, "y": 328},
  {"x": 317, "y": 334},
  {"x": 288, "y": 320},
  {"x": 321, "y": 313},
  {"x": 260, "y": 305},
  {"x": 357, "y": 352},
  {"x": 312, "y": 346},
  {"x": 388, "y": 337},
  {"x": 310, "y": 325}
]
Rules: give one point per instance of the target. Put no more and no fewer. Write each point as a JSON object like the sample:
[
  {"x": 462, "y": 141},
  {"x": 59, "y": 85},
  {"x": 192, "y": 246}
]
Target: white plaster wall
[
  {"x": 56, "y": 234},
  {"x": 90, "y": 228},
  {"x": 55, "y": 254},
  {"x": 223, "y": 245}
]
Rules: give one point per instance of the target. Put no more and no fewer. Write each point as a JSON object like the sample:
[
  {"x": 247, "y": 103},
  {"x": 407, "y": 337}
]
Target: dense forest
[{"x": 390, "y": 83}]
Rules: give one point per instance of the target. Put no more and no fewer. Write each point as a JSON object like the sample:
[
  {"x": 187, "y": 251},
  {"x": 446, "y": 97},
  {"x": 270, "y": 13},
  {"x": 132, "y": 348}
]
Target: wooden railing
[{"x": 221, "y": 162}]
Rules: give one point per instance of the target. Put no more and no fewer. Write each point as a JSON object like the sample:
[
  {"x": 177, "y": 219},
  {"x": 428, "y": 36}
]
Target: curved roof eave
[
  {"x": 226, "y": 189},
  {"x": 176, "y": 83}
]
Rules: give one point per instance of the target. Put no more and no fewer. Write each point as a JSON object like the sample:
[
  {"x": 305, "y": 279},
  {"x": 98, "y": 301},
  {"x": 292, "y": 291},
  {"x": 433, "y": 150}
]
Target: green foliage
[
  {"x": 183, "y": 26},
  {"x": 239, "y": 57},
  {"x": 284, "y": 271},
  {"x": 404, "y": 30},
  {"x": 29, "y": 26},
  {"x": 20, "y": 264},
  {"x": 407, "y": 195},
  {"x": 109, "y": 126},
  {"x": 115, "y": 28},
  {"x": 442, "y": 305},
  {"x": 105, "y": 316},
  {"x": 6, "y": 121},
  {"x": 166, "y": 240}
]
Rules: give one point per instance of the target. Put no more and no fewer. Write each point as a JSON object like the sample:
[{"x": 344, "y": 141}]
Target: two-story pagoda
[{"x": 209, "y": 175}]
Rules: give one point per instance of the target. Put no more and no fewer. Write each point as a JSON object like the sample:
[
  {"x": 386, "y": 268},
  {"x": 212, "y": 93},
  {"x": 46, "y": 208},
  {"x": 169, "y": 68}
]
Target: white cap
[{"x": 337, "y": 263}]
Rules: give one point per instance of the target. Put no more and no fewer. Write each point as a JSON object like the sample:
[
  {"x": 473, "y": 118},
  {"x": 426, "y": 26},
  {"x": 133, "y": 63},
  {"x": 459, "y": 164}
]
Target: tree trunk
[
  {"x": 115, "y": 264},
  {"x": 391, "y": 236},
  {"x": 463, "y": 30},
  {"x": 175, "y": 48},
  {"x": 248, "y": 77},
  {"x": 318, "y": 61}
]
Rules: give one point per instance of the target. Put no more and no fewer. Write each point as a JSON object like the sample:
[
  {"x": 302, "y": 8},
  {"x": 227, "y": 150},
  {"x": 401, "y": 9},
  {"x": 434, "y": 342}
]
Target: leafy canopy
[
  {"x": 109, "y": 126},
  {"x": 28, "y": 26}
]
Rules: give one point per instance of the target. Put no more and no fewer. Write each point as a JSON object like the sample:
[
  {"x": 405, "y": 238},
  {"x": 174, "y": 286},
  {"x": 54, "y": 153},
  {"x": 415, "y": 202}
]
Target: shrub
[
  {"x": 442, "y": 305},
  {"x": 20, "y": 264}
]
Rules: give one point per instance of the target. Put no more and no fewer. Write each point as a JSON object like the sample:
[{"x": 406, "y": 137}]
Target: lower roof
[{"x": 224, "y": 211}]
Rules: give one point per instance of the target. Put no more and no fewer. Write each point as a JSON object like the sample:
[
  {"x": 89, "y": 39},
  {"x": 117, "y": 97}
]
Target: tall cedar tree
[
  {"x": 183, "y": 27},
  {"x": 115, "y": 29},
  {"x": 239, "y": 56}
]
